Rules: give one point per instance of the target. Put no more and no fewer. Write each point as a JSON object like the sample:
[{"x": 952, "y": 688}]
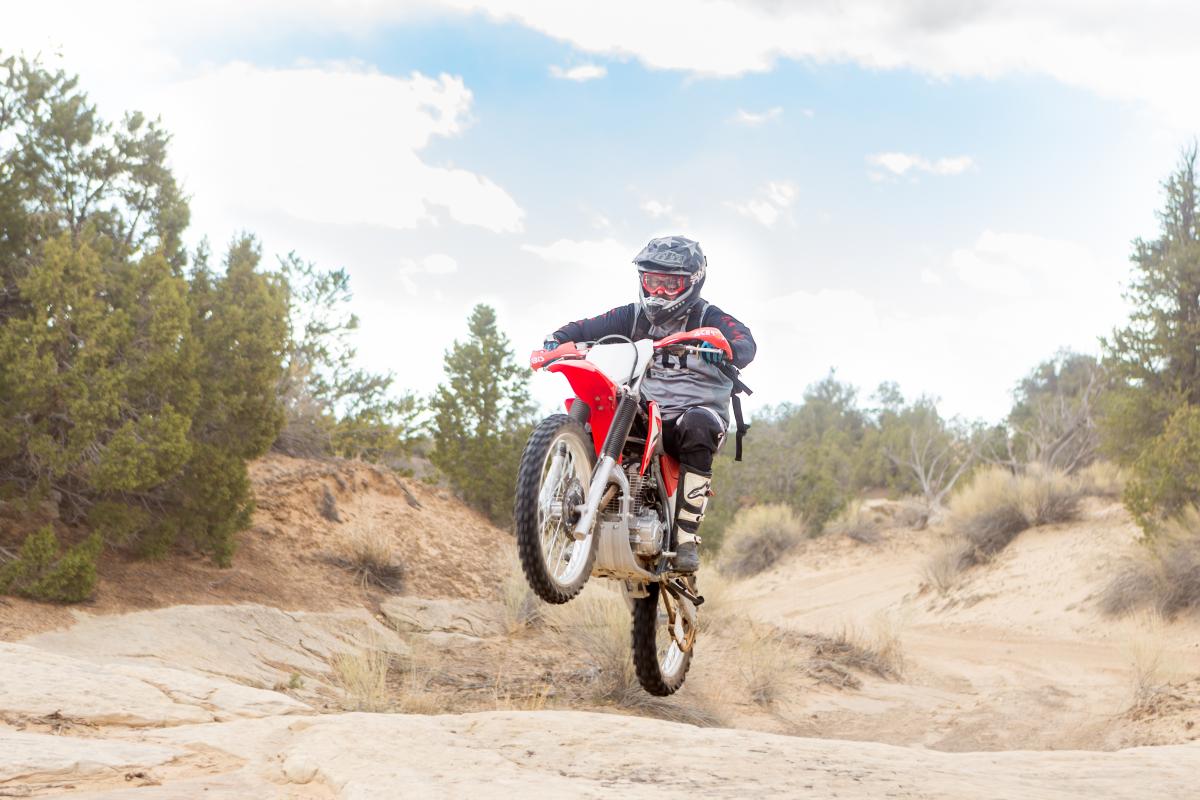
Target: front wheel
[
  {"x": 552, "y": 487},
  {"x": 663, "y": 637}
]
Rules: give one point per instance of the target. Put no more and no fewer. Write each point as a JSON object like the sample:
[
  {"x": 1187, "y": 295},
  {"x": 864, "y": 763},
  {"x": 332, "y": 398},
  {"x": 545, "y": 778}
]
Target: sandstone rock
[
  {"x": 35, "y": 759},
  {"x": 249, "y": 643},
  {"x": 587, "y": 755},
  {"x": 36, "y": 684},
  {"x": 420, "y": 615}
]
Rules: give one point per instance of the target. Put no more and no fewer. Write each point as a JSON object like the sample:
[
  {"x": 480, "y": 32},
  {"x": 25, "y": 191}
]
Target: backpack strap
[{"x": 738, "y": 388}]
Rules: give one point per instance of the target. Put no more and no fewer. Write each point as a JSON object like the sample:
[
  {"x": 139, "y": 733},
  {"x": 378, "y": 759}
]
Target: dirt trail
[{"x": 1016, "y": 657}]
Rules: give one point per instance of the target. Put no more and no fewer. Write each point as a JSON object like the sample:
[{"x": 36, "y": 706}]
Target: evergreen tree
[
  {"x": 481, "y": 417},
  {"x": 131, "y": 393},
  {"x": 1155, "y": 359},
  {"x": 331, "y": 406}
]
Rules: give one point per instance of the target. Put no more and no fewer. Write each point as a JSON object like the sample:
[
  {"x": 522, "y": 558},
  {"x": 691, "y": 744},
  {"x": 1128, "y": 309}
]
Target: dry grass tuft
[
  {"x": 1164, "y": 577},
  {"x": 758, "y": 537},
  {"x": 597, "y": 625},
  {"x": 368, "y": 552},
  {"x": 943, "y": 568},
  {"x": 1101, "y": 479},
  {"x": 362, "y": 676},
  {"x": 1153, "y": 673},
  {"x": 856, "y": 522},
  {"x": 521, "y": 607},
  {"x": 765, "y": 663},
  {"x": 990, "y": 512}
]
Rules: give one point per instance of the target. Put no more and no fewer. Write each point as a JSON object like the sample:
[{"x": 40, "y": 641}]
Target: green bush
[
  {"x": 1165, "y": 478},
  {"x": 131, "y": 387},
  {"x": 41, "y": 573}
]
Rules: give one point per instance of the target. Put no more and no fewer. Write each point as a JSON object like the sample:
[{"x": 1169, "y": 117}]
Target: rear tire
[
  {"x": 660, "y": 663},
  {"x": 556, "y": 566}
]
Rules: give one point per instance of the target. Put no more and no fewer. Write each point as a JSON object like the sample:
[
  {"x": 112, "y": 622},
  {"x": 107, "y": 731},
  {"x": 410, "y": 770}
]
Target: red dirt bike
[{"x": 596, "y": 496}]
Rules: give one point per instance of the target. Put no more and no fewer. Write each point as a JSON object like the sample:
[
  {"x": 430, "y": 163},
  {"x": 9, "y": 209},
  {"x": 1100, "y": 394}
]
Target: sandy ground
[
  {"x": 1016, "y": 657},
  {"x": 184, "y": 680}
]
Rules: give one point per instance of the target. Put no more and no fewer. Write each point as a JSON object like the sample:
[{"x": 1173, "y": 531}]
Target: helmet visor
[{"x": 664, "y": 284}]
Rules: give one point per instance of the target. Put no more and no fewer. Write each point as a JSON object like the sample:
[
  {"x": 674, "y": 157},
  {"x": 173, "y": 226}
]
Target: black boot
[{"x": 691, "y": 498}]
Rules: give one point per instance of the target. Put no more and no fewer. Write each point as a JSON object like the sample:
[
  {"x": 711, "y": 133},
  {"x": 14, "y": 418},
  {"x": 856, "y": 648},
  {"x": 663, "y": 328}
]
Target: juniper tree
[
  {"x": 481, "y": 417},
  {"x": 1155, "y": 358},
  {"x": 131, "y": 391}
]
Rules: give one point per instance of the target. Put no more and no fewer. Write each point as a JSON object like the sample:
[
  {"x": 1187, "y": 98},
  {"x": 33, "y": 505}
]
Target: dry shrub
[
  {"x": 856, "y": 522},
  {"x": 912, "y": 512},
  {"x": 758, "y": 537},
  {"x": 877, "y": 652},
  {"x": 363, "y": 677},
  {"x": 368, "y": 551},
  {"x": 1101, "y": 479},
  {"x": 1047, "y": 496},
  {"x": 994, "y": 509},
  {"x": 1164, "y": 576}
]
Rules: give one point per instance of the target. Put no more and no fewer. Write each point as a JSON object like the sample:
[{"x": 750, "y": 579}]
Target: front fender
[{"x": 594, "y": 388}]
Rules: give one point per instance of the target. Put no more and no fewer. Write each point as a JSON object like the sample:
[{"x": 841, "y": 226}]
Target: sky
[{"x": 939, "y": 193}]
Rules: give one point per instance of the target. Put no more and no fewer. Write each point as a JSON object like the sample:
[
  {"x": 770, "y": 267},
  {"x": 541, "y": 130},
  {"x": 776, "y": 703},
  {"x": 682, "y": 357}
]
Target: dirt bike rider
[{"x": 693, "y": 394}]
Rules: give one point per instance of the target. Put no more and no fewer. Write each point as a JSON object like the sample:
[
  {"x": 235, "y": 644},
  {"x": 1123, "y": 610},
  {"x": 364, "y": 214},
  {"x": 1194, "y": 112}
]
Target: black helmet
[{"x": 671, "y": 274}]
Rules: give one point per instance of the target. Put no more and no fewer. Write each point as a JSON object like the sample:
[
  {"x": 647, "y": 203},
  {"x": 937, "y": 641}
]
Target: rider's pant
[{"x": 693, "y": 437}]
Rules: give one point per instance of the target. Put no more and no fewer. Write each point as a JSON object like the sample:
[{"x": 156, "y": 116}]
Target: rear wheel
[
  {"x": 664, "y": 638},
  {"x": 552, "y": 486}
]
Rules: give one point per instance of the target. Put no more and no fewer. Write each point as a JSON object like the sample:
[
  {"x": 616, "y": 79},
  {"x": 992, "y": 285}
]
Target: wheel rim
[
  {"x": 566, "y": 474},
  {"x": 673, "y": 636}
]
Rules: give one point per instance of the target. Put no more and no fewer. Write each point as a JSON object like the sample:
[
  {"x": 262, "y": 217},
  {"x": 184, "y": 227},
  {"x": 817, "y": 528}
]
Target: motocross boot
[{"x": 691, "y": 498}]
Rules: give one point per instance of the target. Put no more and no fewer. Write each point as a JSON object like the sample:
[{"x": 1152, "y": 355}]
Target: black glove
[{"x": 550, "y": 344}]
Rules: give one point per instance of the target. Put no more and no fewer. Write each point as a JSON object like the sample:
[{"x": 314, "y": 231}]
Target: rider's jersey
[{"x": 675, "y": 383}]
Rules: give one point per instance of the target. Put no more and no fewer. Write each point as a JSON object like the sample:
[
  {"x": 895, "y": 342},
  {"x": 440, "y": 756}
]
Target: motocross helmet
[{"x": 670, "y": 276}]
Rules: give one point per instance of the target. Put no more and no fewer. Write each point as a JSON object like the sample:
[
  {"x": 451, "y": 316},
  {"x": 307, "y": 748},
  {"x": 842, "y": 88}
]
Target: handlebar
[{"x": 675, "y": 343}]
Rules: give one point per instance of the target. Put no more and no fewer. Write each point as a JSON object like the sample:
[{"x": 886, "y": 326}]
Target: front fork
[{"x": 607, "y": 469}]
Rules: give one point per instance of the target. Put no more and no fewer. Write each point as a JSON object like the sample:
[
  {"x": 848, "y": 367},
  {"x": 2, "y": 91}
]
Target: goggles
[{"x": 664, "y": 284}]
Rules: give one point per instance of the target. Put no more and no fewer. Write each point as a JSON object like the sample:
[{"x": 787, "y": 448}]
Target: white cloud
[
  {"x": 754, "y": 119},
  {"x": 594, "y": 256},
  {"x": 773, "y": 201},
  {"x": 433, "y": 264},
  {"x": 580, "y": 73},
  {"x": 1142, "y": 52},
  {"x": 1131, "y": 51},
  {"x": 902, "y": 163},
  {"x": 1023, "y": 265},
  {"x": 660, "y": 210},
  {"x": 930, "y": 278},
  {"x": 336, "y": 145}
]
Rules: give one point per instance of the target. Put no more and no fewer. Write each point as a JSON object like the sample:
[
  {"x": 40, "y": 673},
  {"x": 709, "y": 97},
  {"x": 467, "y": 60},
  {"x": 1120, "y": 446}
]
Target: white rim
[
  {"x": 670, "y": 656},
  {"x": 558, "y": 476}
]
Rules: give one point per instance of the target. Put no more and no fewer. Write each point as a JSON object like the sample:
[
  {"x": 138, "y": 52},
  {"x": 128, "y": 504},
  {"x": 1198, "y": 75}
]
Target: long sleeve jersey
[{"x": 676, "y": 384}]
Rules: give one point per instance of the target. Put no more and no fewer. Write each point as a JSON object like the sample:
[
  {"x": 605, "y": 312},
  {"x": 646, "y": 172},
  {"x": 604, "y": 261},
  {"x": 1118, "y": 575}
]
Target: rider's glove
[
  {"x": 712, "y": 354},
  {"x": 550, "y": 344}
]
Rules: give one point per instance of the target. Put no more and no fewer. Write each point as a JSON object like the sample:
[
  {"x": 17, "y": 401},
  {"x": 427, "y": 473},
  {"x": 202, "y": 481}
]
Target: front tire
[
  {"x": 552, "y": 483},
  {"x": 663, "y": 641}
]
